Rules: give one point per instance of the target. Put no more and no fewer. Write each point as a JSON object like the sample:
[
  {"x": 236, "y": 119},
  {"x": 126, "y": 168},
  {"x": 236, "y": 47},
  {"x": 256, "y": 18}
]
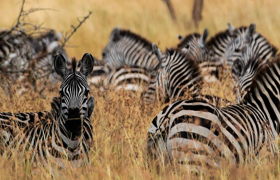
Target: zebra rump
[{"x": 197, "y": 134}]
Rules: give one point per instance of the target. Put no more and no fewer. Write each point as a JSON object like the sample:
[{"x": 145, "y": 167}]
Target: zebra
[
  {"x": 176, "y": 74},
  {"x": 194, "y": 45},
  {"x": 61, "y": 135},
  {"x": 195, "y": 133},
  {"x": 127, "y": 48},
  {"x": 30, "y": 58},
  {"x": 257, "y": 45}
]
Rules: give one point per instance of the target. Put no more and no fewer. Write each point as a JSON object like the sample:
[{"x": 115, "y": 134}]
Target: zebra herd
[{"x": 193, "y": 132}]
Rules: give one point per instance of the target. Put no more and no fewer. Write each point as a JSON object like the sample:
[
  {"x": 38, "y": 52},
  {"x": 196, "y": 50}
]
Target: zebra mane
[
  {"x": 223, "y": 35},
  {"x": 265, "y": 69},
  {"x": 182, "y": 55},
  {"x": 220, "y": 35},
  {"x": 135, "y": 37},
  {"x": 187, "y": 39},
  {"x": 74, "y": 64},
  {"x": 273, "y": 48}
]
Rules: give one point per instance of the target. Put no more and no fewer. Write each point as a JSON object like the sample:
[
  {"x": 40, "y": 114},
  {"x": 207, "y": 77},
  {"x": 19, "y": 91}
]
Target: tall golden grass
[{"x": 120, "y": 121}]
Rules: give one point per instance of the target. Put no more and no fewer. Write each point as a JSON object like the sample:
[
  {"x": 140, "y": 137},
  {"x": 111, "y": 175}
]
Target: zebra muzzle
[{"x": 73, "y": 114}]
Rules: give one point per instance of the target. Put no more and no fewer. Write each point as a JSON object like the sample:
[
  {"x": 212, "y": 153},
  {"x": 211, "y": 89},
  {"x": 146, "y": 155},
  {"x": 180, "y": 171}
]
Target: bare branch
[
  {"x": 32, "y": 10},
  {"x": 18, "y": 21},
  {"x": 171, "y": 9},
  {"x": 74, "y": 29}
]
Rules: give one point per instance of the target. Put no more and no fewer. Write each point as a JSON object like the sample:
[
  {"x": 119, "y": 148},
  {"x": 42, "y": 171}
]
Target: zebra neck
[
  {"x": 266, "y": 100},
  {"x": 66, "y": 136}
]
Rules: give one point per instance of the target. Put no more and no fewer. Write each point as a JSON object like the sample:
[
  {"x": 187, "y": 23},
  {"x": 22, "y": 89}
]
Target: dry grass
[{"x": 120, "y": 121}]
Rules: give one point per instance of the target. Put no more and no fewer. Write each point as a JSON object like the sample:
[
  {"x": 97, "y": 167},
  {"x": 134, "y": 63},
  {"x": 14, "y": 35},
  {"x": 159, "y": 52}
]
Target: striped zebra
[
  {"x": 257, "y": 45},
  {"x": 176, "y": 74},
  {"x": 61, "y": 136},
  {"x": 194, "y": 45},
  {"x": 195, "y": 133},
  {"x": 127, "y": 48},
  {"x": 30, "y": 58}
]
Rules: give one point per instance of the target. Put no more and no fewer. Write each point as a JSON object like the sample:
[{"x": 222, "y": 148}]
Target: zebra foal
[{"x": 62, "y": 134}]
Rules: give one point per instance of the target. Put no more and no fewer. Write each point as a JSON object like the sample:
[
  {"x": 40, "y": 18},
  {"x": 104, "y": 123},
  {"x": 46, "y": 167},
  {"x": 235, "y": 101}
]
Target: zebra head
[
  {"x": 75, "y": 105},
  {"x": 246, "y": 75},
  {"x": 194, "y": 46},
  {"x": 111, "y": 52},
  {"x": 234, "y": 48}
]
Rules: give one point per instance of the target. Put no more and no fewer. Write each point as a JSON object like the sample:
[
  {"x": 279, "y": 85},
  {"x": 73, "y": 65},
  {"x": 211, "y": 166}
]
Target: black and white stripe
[
  {"x": 127, "y": 48},
  {"x": 255, "y": 42},
  {"x": 194, "y": 45},
  {"x": 61, "y": 136},
  {"x": 128, "y": 78},
  {"x": 176, "y": 75},
  {"x": 218, "y": 43},
  {"x": 195, "y": 133}
]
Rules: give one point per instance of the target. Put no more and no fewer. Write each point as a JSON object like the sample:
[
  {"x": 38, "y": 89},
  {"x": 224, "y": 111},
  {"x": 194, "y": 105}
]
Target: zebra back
[
  {"x": 127, "y": 48},
  {"x": 131, "y": 78}
]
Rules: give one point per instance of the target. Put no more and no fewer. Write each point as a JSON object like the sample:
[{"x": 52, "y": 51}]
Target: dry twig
[{"x": 74, "y": 29}]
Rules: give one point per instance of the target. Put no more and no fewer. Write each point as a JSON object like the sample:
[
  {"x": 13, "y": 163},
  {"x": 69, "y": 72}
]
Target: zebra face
[
  {"x": 74, "y": 91},
  {"x": 194, "y": 46},
  {"x": 233, "y": 50}
]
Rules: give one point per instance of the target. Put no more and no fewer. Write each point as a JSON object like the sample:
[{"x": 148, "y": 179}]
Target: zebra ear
[
  {"x": 180, "y": 37},
  {"x": 157, "y": 52},
  {"x": 90, "y": 104},
  {"x": 252, "y": 29},
  {"x": 87, "y": 64},
  {"x": 204, "y": 36},
  {"x": 230, "y": 29},
  {"x": 60, "y": 65},
  {"x": 115, "y": 35},
  {"x": 249, "y": 33}
]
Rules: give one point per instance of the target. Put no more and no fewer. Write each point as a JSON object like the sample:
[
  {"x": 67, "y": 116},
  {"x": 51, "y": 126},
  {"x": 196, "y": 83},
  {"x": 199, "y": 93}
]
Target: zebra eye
[
  {"x": 103, "y": 54},
  {"x": 187, "y": 46}
]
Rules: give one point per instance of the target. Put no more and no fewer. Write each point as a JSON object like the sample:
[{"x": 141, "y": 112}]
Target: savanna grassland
[{"x": 120, "y": 119}]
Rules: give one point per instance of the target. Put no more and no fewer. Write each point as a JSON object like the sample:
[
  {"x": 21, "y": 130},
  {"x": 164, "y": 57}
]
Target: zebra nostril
[{"x": 103, "y": 54}]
